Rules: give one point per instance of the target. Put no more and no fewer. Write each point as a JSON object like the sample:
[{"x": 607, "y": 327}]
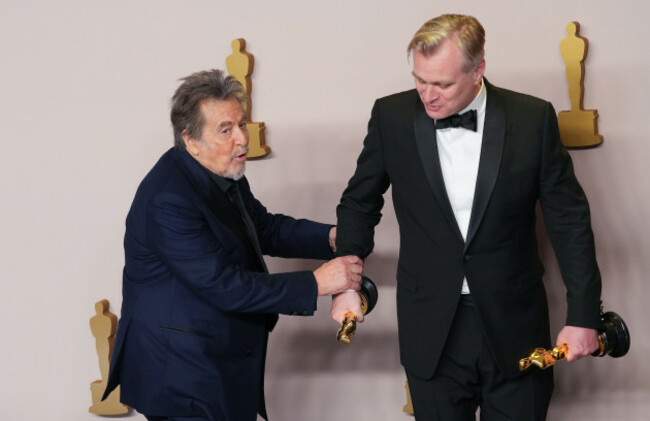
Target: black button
[
  {"x": 249, "y": 352},
  {"x": 467, "y": 257}
]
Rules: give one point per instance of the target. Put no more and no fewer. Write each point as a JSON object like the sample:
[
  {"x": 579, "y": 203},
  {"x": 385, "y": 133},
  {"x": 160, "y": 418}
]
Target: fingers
[
  {"x": 338, "y": 275},
  {"x": 344, "y": 303},
  {"x": 580, "y": 341},
  {"x": 355, "y": 271}
]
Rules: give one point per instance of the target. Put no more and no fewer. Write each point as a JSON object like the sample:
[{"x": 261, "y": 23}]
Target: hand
[
  {"x": 580, "y": 341},
  {"x": 332, "y": 238},
  {"x": 339, "y": 275},
  {"x": 346, "y": 302}
]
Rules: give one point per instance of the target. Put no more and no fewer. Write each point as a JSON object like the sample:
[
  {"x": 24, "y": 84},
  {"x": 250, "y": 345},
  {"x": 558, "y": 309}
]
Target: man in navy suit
[
  {"x": 468, "y": 162},
  {"x": 198, "y": 301}
]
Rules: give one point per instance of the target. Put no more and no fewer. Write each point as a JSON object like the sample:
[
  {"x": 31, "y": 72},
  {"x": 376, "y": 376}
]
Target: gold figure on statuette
[
  {"x": 578, "y": 127},
  {"x": 543, "y": 358},
  {"x": 103, "y": 325},
  {"x": 240, "y": 66}
]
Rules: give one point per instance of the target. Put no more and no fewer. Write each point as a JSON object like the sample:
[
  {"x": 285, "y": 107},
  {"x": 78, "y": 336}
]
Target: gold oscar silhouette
[
  {"x": 240, "y": 66},
  {"x": 103, "y": 326},
  {"x": 408, "y": 408},
  {"x": 578, "y": 127}
]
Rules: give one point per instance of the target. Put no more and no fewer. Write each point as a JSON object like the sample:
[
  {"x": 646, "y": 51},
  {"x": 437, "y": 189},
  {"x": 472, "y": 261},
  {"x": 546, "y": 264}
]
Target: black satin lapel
[
  {"x": 425, "y": 138},
  {"x": 494, "y": 133}
]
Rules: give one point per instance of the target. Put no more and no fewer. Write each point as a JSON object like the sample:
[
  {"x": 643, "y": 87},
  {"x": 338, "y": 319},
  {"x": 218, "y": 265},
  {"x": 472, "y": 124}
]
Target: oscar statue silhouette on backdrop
[
  {"x": 578, "y": 127},
  {"x": 103, "y": 326},
  {"x": 240, "y": 66}
]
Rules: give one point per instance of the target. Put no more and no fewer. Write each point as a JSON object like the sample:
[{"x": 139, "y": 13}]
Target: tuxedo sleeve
[
  {"x": 568, "y": 223},
  {"x": 360, "y": 208},
  {"x": 178, "y": 233}
]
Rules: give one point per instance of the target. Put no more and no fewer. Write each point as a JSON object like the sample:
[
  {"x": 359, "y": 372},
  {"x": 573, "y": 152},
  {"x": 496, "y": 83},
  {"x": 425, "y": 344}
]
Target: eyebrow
[
  {"x": 224, "y": 124},
  {"x": 437, "y": 82},
  {"x": 230, "y": 123}
]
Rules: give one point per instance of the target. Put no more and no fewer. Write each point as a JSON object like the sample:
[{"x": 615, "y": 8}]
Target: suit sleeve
[
  {"x": 284, "y": 236},
  {"x": 360, "y": 208},
  {"x": 178, "y": 234},
  {"x": 568, "y": 223}
]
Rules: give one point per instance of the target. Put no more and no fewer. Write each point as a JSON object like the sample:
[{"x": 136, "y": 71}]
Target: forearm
[{"x": 568, "y": 223}]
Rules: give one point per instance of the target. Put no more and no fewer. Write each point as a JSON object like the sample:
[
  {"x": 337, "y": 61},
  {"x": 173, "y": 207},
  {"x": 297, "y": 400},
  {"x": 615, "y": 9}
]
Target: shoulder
[
  {"x": 176, "y": 174},
  {"x": 397, "y": 107},
  {"x": 516, "y": 101},
  {"x": 399, "y": 99}
]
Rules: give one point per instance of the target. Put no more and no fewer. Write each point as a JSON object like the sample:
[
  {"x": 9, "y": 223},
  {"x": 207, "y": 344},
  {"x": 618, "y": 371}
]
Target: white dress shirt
[{"x": 460, "y": 151}]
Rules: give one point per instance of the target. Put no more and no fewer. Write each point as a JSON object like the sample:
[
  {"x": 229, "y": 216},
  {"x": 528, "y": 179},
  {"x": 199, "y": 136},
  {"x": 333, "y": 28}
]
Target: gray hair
[
  {"x": 465, "y": 31},
  {"x": 195, "y": 89}
]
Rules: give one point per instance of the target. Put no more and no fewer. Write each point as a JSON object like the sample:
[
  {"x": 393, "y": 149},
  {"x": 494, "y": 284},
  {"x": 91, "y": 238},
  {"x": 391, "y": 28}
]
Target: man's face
[
  {"x": 223, "y": 145},
  {"x": 444, "y": 87}
]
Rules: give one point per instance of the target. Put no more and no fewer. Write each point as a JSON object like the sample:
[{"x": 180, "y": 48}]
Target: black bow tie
[{"x": 466, "y": 120}]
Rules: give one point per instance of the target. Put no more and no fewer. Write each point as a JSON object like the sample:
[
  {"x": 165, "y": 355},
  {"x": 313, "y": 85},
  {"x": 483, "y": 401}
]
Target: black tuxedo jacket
[
  {"x": 522, "y": 162},
  {"x": 197, "y": 304}
]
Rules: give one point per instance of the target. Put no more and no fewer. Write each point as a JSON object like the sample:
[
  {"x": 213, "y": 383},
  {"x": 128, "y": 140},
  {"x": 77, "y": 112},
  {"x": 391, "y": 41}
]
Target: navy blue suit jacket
[{"x": 197, "y": 305}]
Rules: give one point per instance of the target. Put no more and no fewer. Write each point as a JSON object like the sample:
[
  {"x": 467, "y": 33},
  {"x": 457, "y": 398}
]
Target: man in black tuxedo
[
  {"x": 198, "y": 302},
  {"x": 468, "y": 162}
]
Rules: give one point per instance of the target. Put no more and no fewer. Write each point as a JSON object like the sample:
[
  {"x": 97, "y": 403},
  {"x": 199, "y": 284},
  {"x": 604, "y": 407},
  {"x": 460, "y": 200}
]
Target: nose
[
  {"x": 241, "y": 136},
  {"x": 429, "y": 93}
]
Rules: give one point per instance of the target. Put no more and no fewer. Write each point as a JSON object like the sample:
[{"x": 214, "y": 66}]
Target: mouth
[{"x": 241, "y": 157}]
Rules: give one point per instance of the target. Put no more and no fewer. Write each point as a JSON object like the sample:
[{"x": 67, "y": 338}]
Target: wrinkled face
[
  {"x": 444, "y": 87},
  {"x": 223, "y": 145}
]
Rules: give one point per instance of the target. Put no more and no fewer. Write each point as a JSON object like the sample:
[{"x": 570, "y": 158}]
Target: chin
[{"x": 235, "y": 174}]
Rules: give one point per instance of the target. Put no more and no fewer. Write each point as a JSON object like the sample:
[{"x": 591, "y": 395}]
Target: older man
[
  {"x": 198, "y": 301},
  {"x": 468, "y": 162}
]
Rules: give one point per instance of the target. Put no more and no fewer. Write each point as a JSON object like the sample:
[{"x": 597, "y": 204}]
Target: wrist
[{"x": 332, "y": 239}]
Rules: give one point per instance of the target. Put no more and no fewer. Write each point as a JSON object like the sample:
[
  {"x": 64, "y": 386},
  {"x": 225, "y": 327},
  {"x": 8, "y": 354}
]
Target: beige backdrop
[{"x": 84, "y": 103}]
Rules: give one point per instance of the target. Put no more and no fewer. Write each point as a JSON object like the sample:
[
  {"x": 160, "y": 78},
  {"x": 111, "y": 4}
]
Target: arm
[
  {"x": 284, "y": 236},
  {"x": 360, "y": 208},
  {"x": 567, "y": 216},
  {"x": 205, "y": 261},
  {"x": 360, "y": 211}
]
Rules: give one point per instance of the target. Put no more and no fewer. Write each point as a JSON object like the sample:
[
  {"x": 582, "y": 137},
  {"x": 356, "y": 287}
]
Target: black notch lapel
[
  {"x": 425, "y": 138},
  {"x": 494, "y": 133}
]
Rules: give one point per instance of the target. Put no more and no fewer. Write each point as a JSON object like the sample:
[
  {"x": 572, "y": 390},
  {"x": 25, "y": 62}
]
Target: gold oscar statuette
[
  {"x": 613, "y": 340},
  {"x": 368, "y": 295}
]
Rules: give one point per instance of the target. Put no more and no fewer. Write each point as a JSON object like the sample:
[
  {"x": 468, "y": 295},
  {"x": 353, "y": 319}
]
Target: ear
[
  {"x": 190, "y": 143},
  {"x": 478, "y": 73}
]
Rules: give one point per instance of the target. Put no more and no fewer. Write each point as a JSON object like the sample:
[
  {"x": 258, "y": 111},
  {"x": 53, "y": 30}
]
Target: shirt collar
[
  {"x": 478, "y": 103},
  {"x": 224, "y": 184}
]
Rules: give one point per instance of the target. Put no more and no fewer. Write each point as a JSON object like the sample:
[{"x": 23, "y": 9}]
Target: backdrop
[{"x": 84, "y": 105}]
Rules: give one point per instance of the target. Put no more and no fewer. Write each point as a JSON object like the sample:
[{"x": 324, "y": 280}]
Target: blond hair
[{"x": 465, "y": 31}]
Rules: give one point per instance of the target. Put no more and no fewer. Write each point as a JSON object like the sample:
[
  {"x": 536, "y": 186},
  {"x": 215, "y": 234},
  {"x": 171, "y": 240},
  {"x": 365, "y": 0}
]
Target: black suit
[{"x": 522, "y": 162}]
